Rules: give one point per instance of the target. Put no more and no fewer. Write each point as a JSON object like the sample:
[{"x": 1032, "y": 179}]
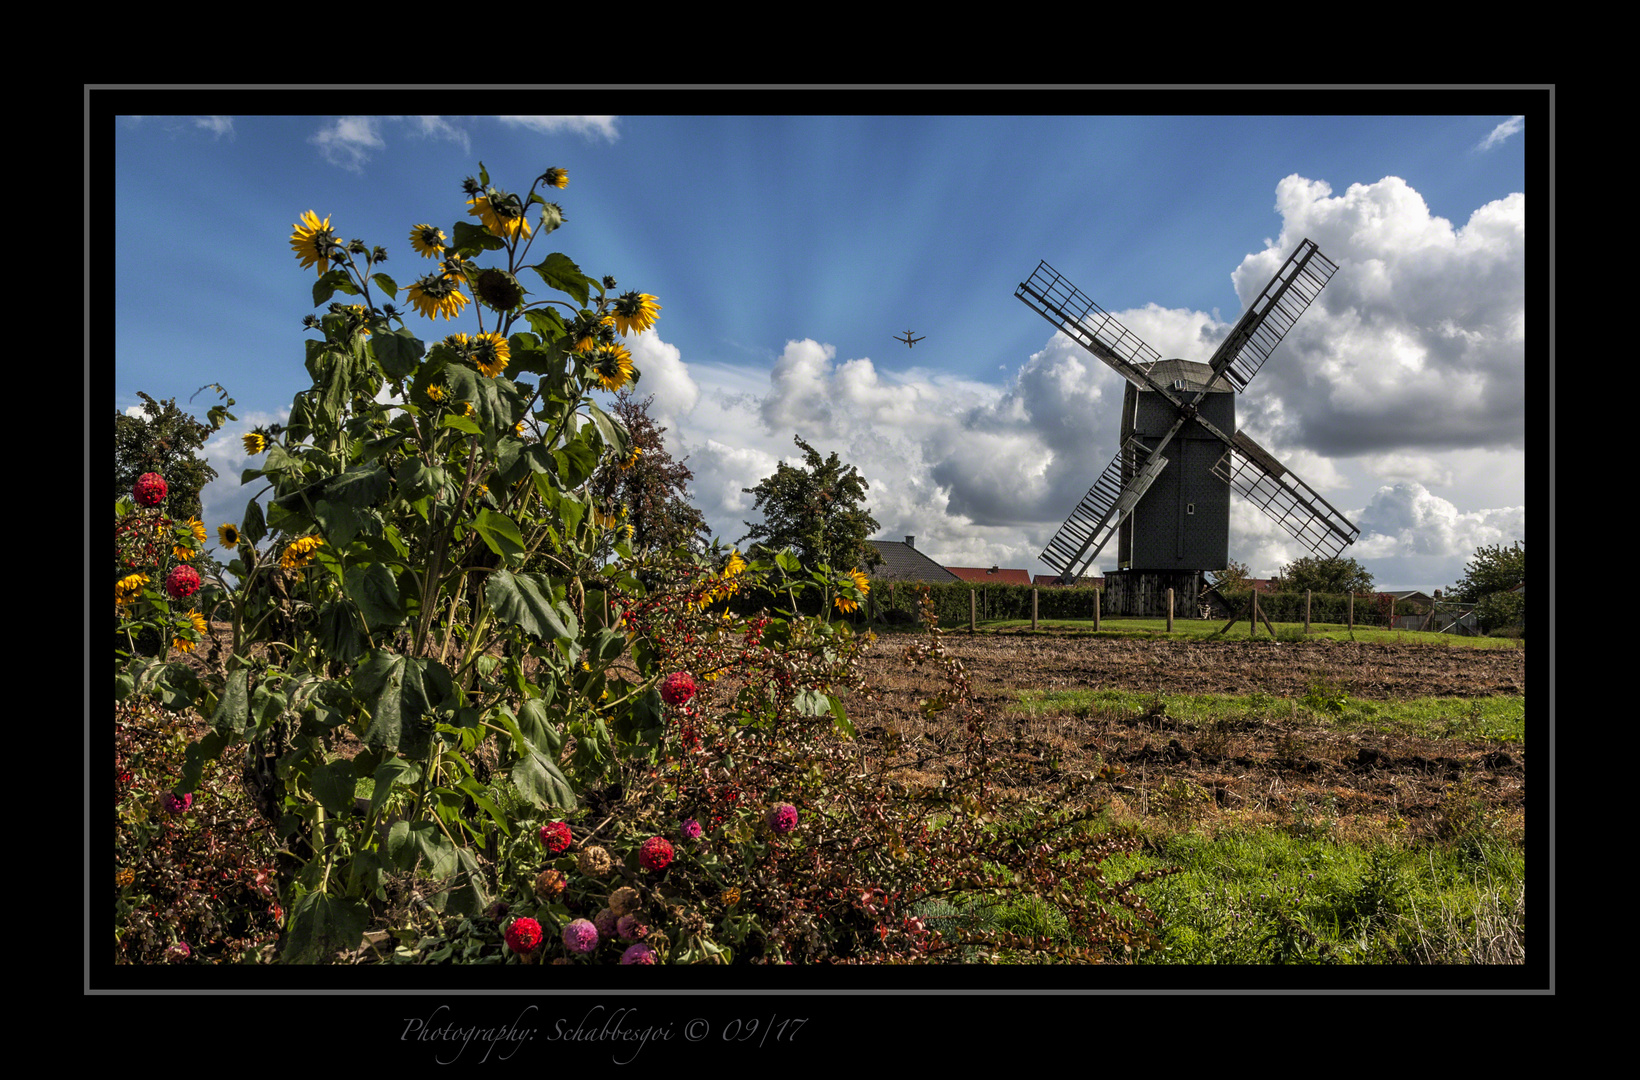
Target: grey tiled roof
[{"x": 902, "y": 562}]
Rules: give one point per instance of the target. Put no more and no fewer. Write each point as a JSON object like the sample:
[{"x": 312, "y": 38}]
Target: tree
[
  {"x": 1494, "y": 569},
  {"x": 1234, "y": 576},
  {"x": 817, "y": 511},
  {"x": 164, "y": 440},
  {"x": 650, "y": 486},
  {"x": 1334, "y": 575}
]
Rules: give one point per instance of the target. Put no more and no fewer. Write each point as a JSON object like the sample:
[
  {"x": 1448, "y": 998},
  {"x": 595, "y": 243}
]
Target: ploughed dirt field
[{"x": 1273, "y": 761}]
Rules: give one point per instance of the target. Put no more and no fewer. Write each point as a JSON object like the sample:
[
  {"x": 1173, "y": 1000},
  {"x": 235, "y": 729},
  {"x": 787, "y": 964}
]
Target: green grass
[
  {"x": 1267, "y": 896},
  {"x": 1192, "y": 629},
  {"x": 1501, "y": 718}
]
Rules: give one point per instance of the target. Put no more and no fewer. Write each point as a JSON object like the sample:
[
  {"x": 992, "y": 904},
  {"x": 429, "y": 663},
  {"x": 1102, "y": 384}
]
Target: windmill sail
[
  {"x": 1048, "y": 293},
  {"x": 1267, "y": 320},
  {"x": 1287, "y": 500},
  {"x": 1096, "y": 518}
]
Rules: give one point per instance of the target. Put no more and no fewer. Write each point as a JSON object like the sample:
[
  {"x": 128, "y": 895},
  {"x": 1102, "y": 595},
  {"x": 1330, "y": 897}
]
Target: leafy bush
[{"x": 480, "y": 724}]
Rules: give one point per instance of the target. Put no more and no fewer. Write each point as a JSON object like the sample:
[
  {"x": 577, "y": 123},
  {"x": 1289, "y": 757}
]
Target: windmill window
[{"x": 1190, "y": 508}]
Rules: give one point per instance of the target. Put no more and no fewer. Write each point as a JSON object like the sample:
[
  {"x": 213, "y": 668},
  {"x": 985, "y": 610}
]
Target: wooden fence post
[
  {"x": 1352, "y": 613},
  {"x": 973, "y": 610},
  {"x": 1033, "y": 609},
  {"x": 1096, "y": 594},
  {"x": 1306, "y": 611},
  {"x": 1170, "y": 611}
]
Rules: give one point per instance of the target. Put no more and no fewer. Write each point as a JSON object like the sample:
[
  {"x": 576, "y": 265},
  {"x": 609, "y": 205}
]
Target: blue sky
[{"x": 787, "y": 252}]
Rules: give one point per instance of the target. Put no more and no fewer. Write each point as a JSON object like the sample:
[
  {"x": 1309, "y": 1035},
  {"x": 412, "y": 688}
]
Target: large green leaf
[
  {"x": 340, "y": 634},
  {"x": 401, "y": 693},
  {"x": 233, "y": 708},
  {"x": 321, "y": 926},
  {"x": 407, "y": 842},
  {"x": 559, "y": 271},
  {"x": 499, "y": 532},
  {"x": 525, "y": 600},
  {"x": 373, "y": 588},
  {"x": 538, "y": 779},
  {"x": 333, "y": 785}
]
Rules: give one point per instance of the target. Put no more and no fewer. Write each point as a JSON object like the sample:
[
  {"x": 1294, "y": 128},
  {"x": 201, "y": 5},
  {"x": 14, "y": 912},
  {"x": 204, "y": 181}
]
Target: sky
[{"x": 787, "y": 252}]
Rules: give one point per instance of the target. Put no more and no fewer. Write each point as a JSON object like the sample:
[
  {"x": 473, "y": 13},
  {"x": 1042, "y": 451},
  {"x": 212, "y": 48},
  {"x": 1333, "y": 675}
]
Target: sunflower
[
  {"x": 500, "y": 213},
  {"x": 128, "y": 588},
  {"x": 313, "y": 241},
  {"x": 846, "y": 604},
  {"x": 588, "y": 331},
  {"x": 491, "y": 354},
  {"x": 635, "y": 311},
  {"x": 428, "y": 241},
  {"x": 299, "y": 552},
  {"x": 557, "y": 178},
  {"x": 197, "y": 527},
  {"x": 612, "y": 366},
  {"x": 255, "y": 443},
  {"x": 185, "y": 644},
  {"x": 436, "y": 393},
  {"x": 227, "y": 536},
  {"x": 436, "y": 295},
  {"x": 631, "y": 459}
]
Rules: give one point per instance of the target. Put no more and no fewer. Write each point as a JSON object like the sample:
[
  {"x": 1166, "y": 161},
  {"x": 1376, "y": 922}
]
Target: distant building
[
  {"x": 903, "y": 562},
  {"x": 995, "y": 575}
]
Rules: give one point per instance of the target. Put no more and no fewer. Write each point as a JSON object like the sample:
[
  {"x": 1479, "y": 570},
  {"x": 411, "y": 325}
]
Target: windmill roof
[
  {"x": 902, "y": 562},
  {"x": 1194, "y": 375}
]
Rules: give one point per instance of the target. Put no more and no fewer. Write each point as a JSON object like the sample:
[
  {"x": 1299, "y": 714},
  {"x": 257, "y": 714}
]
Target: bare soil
[{"x": 1274, "y": 765}]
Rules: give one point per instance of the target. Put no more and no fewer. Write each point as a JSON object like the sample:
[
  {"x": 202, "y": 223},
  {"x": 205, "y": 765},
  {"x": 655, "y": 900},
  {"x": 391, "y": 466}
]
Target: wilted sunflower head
[
  {"x": 557, "y": 178},
  {"x": 498, "y": 289},
  {"x": 313, "y": 241},
  {"x": 635, "y": 311},
  {"x": 612, "y": 366},
  {"x": 255, "y": 443},
  {"x": 428, "y": 241},
  {"x": 436, "y": 393}
]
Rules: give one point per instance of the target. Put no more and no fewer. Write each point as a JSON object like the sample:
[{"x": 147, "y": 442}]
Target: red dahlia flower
[
  {"x": 182, "y": 582},
  {"x": 555, "y": 837},
  {"x": 677, "y": 688},
  {"x": 149, "y": 489},
  {"x": 656, "y": 853},
  {"x": 523, "y": 935}
]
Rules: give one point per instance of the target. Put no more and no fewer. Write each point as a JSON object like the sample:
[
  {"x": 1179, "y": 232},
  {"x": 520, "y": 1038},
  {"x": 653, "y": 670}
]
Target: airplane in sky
[{"x": 908, "y": 339}]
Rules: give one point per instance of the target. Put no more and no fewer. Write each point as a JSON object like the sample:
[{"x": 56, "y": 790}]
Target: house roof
[
  {"x": 903, "y": 562},
  {"x": 986, "y": 575}
]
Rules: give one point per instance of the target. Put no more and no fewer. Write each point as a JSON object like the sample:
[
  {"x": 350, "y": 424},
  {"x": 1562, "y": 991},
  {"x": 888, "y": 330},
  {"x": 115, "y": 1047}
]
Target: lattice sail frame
[{"x": 1246, "y": 466}]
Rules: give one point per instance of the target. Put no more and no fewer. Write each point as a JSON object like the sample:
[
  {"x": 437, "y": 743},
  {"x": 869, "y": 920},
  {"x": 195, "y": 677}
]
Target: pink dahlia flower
[
  {"x": 149, "y": 489},
  {"x": 783, "y": 818},
  {"x": 580, "y": 936},
  {"x": 656, "y": 853},
  {"x": 638, "y": 954},
  {"x": 690, "y": 829},
  {"x": 177, "y": 804},
  {"x": 523, "y": 936},
  {"x": 677, "y": 688}
]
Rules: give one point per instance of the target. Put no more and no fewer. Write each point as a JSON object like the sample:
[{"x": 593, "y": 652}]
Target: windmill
[{"x": 1172, "y": 510}]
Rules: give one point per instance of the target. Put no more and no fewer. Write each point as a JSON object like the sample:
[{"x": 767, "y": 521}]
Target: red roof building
[{"x": 980, "y": 575}]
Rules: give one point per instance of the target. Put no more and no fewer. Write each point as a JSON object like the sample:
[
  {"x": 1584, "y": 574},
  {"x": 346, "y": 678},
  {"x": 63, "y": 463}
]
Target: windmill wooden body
[{"x": 1166, "y": 494}]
